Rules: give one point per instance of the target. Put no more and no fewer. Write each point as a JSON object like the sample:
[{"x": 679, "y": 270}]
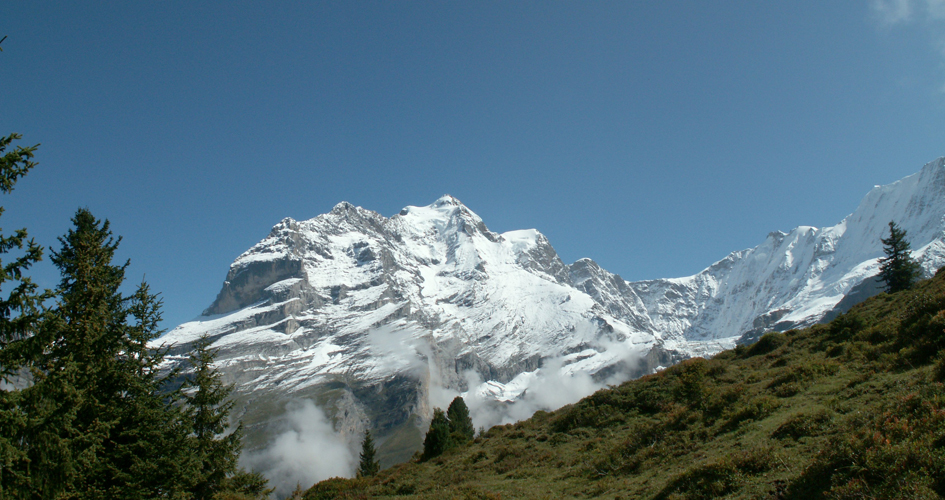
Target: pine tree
[
  {"x": 438, "y": 438},
  {"x": 104, "y": 425},
  {"x": 101, "y": 422},
  {"x": 147, "y": 453},
  {"x": 368, "y": 465},
  {"x": 461, "y": 425},
  {"x": 20, "y": 310},
  {"x": 78, "y": 385},
  {"x": 898, "y": 270},
  {"x": 209, "y": 408},
  {"x": 96, "y": 419}
]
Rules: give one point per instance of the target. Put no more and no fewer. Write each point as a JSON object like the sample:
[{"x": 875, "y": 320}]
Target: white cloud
[
  {"x": 894, "y": 12},
  {"x": 307, "y": 451},
  {"x": 891, "y": 12},
  {"x": 935, "y": 8},
  {"x": 550, "y": 387},
  {"x": 928, "y": 16}
]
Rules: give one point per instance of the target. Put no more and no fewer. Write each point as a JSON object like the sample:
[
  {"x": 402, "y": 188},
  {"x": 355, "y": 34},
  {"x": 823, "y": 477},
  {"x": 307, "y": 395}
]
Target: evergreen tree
[
  {"x": 898, "y": 270},
  {"x": 20, "y": 310},
  {"x": 368, "y": 465},
  {"x": 105, "y": 428},
  {"x": 461, "y": 425},
  {"x": 96, "y": 419},
  {"x": 147, "y": 455},
  {"x": 438, "y": 438},
  {"x": 78, "y": 387},
  {"x": 216, "y": 454},
  {"x": 246, "y": 486}
]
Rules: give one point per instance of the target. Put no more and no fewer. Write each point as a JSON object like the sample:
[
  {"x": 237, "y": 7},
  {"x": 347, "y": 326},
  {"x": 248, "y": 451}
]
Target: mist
[
  {"x": 557, "y": 383},
  {"x": 307, "y": 450}
]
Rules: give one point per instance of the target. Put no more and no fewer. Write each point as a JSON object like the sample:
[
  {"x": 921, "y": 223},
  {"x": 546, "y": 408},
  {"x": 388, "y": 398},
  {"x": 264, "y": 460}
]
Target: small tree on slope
[
  {"x": 368, "y": 465},
  {"x": 461, "y": 426},
  {"x": 898, "y": 270},
  {"x": 438, "y": 438}
]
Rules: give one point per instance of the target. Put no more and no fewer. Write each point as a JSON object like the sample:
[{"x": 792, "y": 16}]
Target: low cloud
[
  {"x": 557, "y": 383},
  {"x": 307, "y": 451},
  {"x": 550, "y": 389}
]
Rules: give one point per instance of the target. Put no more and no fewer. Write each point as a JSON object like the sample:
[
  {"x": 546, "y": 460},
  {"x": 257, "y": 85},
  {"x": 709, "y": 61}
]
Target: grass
[{"x": 851, "y": 409}]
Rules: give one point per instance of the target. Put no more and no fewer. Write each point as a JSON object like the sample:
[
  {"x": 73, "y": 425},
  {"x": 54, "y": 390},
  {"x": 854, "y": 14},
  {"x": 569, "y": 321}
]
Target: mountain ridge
[
  {"x": 357, "y": 311},
  {"x": 850, "y": 409}
]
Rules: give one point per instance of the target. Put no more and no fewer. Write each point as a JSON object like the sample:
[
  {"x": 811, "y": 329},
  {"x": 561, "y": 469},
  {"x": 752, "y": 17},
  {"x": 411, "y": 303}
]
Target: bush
[
  {"x": 895, "y": 455},
  {"x": 803, "y": 424},
  {"x": 938, "y": 372},
  {"x": 691, "y": 377},
  {"x": 801, "y": 374},
  {"x": 703, "y": 481},
  {"x": 767, "y": 343},
  {"x": 337, "y": 488},
  {"x": 755, "y": 409}
]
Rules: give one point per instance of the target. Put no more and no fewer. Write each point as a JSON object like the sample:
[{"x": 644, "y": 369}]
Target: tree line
[
  {"x": 86, "y": 410},
  {"x": 447, "y": 430}
]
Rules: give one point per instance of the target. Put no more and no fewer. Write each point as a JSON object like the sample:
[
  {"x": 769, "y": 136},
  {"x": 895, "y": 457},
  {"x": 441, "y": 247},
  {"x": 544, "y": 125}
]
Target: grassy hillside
[{"x": 851, "y": 409}]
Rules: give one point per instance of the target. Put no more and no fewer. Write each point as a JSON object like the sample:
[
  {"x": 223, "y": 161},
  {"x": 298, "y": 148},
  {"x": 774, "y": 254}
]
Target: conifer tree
[
  {"x": 438, "y": 438},
  {"x": 20, "y": 310},
  {"x": 96, "y": 419},
  {"x": 216, "y": 454},
  {"x": 245, "y": 485},
  {"x": 105, "y": 428},
  {"x": 147, "y": 452},
  {"x": 78, "y": 385},
  {"x": 461, "y": 425},
  {"x": 898, "y": 270},
  {"x": 368, "y": 465}
]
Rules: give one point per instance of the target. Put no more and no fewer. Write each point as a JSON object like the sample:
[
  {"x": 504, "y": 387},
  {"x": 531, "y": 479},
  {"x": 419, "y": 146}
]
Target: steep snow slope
[{"x": 794, "y": 279}]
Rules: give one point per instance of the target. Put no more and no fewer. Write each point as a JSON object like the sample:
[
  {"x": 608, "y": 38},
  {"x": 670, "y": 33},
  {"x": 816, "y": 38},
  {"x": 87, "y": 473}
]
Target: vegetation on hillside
[{"x": 850, "y": 409}]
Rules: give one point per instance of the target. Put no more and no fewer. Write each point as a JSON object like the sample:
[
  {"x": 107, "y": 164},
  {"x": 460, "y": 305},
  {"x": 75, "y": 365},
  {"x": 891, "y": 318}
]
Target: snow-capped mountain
[
  {"x": 369, "y": 315},
  {"x": 377, "y": 319},
  {"x": 797, "y": 278}
]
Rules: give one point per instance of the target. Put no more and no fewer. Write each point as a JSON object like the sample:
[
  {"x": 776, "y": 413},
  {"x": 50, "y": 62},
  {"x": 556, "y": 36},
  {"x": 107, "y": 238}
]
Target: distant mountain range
[{"x": 376, "y": 320}]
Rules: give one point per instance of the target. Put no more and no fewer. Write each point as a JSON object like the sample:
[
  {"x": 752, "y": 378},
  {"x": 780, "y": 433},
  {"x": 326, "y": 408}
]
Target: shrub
[
  {"x": 337, "y": 487},
  {"x": 803, "y": 373},
  {"x": 803, "y": 424},
  {"x": 755, "y": 409},
  {"x": 767, "y": 343},
  {"x": 938, "y": 372},
  {"x": 691, "y": 375},
  {"x": 703, "y": 481}
]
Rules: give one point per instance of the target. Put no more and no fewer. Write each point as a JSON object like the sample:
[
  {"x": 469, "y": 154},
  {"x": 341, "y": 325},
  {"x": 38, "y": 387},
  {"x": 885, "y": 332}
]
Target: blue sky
[{"x": 653, "y": 137}]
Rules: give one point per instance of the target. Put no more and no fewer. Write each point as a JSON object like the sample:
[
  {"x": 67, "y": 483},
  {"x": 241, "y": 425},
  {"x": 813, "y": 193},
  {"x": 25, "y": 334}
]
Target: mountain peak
[
  {"x": 446, "y": 200},
  {"x": 342, "y": 207}
]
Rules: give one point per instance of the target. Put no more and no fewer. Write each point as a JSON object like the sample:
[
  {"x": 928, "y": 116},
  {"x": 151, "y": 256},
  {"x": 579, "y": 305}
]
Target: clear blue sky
[{"x": 653, "y": 137}]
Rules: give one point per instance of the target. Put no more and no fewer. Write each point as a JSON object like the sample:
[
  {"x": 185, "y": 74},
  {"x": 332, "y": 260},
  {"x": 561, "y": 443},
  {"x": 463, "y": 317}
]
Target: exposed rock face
[
  {"x": 377, "y": 319},
  {"x": 247, "y": 285},
  {"x": 370, "y": 315}
]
